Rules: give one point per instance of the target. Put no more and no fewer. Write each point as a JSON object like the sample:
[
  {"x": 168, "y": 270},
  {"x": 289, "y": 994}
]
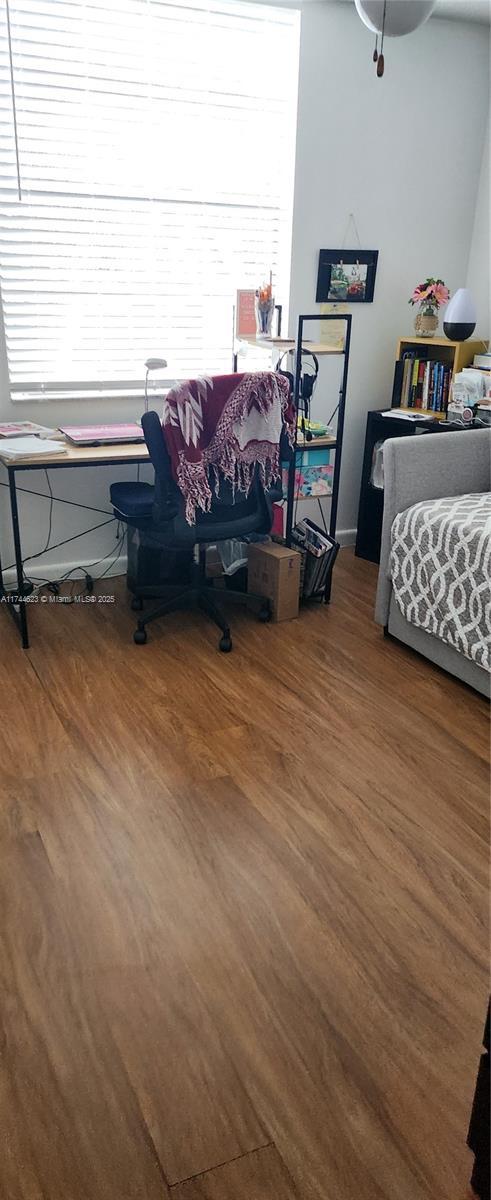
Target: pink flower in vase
[
  {"x": 441, "y": 293},
  {"x": 420, "y": 293},
  {"x": 430, "y": 295}
]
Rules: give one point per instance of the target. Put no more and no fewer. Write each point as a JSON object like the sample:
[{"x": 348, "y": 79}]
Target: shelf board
[
  {"x": 280, "y": 343},
  {"x": 318, "y": 443},
  {"x": 421, "y": 412},
  {"x": 429, "y": 341},
  {"x": 320, "y": 496},
  {"x": 442, "y": 341}
]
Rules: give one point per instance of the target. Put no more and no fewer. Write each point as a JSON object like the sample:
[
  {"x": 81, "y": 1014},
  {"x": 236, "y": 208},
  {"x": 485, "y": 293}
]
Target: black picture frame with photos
[{"x": 346, "y": 276}]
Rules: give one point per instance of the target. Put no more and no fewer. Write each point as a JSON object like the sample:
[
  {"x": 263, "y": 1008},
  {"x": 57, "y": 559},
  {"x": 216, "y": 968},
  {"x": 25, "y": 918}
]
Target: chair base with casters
[
  {"x": 157, "y": 512},
  {"x": 199, "y": 594}
]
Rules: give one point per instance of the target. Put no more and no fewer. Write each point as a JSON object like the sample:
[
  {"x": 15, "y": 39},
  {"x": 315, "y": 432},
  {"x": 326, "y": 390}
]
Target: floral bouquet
[
  {"x": 430, "y": 296},
  {"x": 265, "y": 308}
]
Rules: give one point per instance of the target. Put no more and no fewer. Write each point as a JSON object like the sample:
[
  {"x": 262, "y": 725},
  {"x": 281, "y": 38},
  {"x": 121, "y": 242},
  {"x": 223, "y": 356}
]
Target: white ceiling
[{"x": 452, "y": 10}]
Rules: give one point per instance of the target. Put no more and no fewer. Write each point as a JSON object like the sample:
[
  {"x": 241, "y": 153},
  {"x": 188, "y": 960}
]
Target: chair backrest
[
  {"x": 152, "y": 429},
  {"x": 167, "y": 497},
  {"x": 231, "y": 513}
]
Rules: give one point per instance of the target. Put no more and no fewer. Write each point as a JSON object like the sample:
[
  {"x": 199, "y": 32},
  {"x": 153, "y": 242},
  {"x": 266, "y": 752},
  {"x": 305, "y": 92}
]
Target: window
[{"x": 147, "y": 173}]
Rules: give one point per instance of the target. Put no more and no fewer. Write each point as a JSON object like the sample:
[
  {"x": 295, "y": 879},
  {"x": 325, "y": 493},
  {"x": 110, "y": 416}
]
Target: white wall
[
  {"x": 403, "y": 153},
  {"x": 479, "y": 270}
]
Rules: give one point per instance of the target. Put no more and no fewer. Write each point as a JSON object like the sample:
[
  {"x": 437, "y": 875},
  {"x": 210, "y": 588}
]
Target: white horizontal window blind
[{"x": 147, "y": 155}]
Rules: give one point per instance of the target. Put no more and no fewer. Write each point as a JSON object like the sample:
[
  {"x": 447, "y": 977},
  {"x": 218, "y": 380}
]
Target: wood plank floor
[{"x": 242, "y": 909}]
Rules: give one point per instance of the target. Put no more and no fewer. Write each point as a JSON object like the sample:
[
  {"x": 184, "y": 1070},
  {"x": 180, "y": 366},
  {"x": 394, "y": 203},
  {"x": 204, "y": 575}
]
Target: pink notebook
[{"x": 101, "y": 435}]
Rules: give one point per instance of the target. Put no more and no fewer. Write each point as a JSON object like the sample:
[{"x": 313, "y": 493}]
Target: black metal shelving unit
[{"x": 337, "y": 443}]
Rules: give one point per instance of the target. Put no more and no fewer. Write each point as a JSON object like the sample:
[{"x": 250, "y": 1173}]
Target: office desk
[{"x": 76, "y": 456}]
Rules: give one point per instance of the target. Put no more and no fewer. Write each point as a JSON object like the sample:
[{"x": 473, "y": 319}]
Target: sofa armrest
[{"x": 428, "y": 467}]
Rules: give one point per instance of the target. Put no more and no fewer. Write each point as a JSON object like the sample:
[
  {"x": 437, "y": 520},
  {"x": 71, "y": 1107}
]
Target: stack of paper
[
  {"x": 18, "y": 448},
  {"x": 11, "y": 429},
  {"x": 405, "y": 415}
]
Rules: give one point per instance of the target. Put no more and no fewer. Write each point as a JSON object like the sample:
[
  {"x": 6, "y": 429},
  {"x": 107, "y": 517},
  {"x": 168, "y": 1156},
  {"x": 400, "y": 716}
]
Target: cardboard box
[{"x": 274, "y": 571}]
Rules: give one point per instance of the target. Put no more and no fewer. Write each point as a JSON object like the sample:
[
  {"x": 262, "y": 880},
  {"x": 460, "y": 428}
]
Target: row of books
[{"x": 421, "y": 383}]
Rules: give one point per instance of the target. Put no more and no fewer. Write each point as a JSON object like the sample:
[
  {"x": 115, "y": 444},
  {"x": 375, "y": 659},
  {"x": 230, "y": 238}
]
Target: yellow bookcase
[{"x": 456, "y": 354}]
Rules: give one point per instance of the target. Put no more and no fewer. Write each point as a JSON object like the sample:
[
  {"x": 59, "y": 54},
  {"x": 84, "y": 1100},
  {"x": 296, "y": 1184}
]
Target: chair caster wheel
[
  {"x": 265, "y": 613},
  {"x": 225, "y": 644},
  {"x": 137, "y": 604},
  {"x": 140, "y": 637}
]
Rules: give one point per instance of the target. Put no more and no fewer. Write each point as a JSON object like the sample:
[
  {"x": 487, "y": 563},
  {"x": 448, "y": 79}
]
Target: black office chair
[{"x": 158, "y": 511}]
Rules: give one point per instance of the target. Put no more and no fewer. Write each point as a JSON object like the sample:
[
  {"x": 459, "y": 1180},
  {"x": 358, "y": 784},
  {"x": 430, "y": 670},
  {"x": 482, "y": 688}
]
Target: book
[
  {"x": 17, "y": 449},
  {"x": 429, "y": 398},
  {"x": 445, "y": 389},
  {"x": 10, "y": 429},
  {"x": 435, "y": 385},
  {"x": 414, "y": 383},
  {"x": 421, "y": 382},
  {"x": 419, "y": 385},
  {"x": 398, "y": 383},
  {"x": 406, "y": 381},
  {"x": 426, "y": 385}
]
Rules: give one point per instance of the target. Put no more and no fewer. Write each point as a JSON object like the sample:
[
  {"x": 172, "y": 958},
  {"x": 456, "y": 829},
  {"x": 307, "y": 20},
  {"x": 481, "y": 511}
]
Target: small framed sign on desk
[{"x": 245, "y": 313}]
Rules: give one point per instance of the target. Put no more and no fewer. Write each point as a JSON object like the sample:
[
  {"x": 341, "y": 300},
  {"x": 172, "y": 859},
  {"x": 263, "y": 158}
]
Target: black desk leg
[{"x": 18, "y": 560}]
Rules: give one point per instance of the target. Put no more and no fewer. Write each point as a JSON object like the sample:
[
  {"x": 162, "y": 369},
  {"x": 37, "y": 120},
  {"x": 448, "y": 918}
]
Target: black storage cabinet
[{"x": 371, "y": 507}]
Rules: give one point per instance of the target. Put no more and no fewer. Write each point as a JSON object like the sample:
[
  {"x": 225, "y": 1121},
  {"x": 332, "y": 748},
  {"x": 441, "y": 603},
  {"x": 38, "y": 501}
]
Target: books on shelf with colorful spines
[{"x": 421, "y": 383}]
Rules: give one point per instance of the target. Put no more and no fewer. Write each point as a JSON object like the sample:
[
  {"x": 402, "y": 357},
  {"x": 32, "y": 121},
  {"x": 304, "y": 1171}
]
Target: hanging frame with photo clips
[{"x": 346, "y": 276}]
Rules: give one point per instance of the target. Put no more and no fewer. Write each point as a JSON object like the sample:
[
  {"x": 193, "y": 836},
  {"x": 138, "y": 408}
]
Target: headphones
[{"x": 308, "y": 380}]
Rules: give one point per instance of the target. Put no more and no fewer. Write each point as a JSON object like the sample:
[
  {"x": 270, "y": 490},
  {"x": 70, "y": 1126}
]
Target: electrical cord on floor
[
  {"x": 52, "y": 500},
  {"x": 89, "y": 582},
  {"x": 64, "y": 542},
  {"x": 39, "y": 582}
]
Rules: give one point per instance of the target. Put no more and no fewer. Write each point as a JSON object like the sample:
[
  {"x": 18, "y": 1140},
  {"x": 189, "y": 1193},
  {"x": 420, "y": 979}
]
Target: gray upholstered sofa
[{"x": 424, "y": 468}]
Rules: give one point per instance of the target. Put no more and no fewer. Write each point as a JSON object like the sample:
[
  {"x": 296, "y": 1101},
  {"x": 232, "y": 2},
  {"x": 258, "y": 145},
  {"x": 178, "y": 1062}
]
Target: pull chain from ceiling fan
[{"x": 381, "y": 59}]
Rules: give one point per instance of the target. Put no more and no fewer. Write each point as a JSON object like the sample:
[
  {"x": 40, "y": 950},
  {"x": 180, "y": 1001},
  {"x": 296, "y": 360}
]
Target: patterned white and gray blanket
[{"x": 440, "y": 567}]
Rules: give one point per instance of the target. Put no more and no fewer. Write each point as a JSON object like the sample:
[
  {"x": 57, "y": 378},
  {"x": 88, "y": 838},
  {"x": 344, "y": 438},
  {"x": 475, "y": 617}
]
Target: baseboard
[
  {"x": 57, "y": 570},
  {"x": 346, "y": 537}
]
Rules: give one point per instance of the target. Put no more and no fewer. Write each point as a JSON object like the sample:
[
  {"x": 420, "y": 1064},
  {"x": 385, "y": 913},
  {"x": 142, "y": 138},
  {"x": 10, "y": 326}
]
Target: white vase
[{"x": 460, "y": 316}]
